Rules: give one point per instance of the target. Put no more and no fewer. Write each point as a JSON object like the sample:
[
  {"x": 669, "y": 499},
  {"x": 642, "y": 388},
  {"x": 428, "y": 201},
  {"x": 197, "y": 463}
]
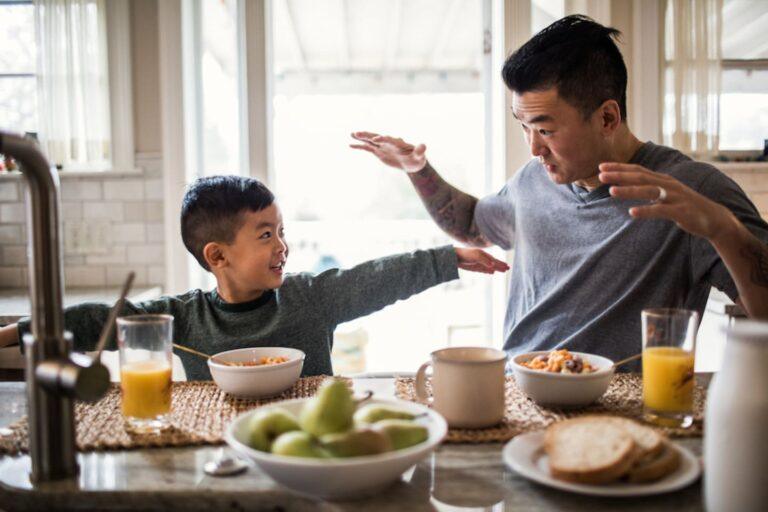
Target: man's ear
[
  {"x": 214, "y": 255},
  {"x": 610, "y": 116}
]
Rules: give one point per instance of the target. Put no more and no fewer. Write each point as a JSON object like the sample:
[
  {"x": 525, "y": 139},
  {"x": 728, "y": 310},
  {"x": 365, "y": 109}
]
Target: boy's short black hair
[
  {"x": 579, "y": 57},
  {"x": 212, "y": 209}
]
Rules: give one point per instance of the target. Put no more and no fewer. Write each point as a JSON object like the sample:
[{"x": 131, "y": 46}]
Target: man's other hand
[{"x": 669, "y": 199}]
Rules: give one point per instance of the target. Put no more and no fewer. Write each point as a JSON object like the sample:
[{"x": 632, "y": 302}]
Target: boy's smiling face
[{"x": 256, "y": 257}]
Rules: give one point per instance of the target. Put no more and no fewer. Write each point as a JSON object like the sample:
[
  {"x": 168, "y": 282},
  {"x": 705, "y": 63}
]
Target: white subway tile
[
  {"x": 71, "y": 210},
  {"x": 115, "y": 256},
  {"x": 155, "y": 232},
  {"x": 153, "y": 211},
  {"x": 12, "y": 234},
  {"x": 15, "y": 255},
  {"x": 156, "y": 275},
  {"x": 12, "y": 277},
  {"x": 13, "y": 213},
  {"x": 153, "y": 189},
  {"x": 74, "y": 260},
  {"x": 9, "y": 191},
  {"x": 128, "y": 233},
  {"x": 129, "y": 190},
  {"x": 146, "y": 254},
  {"x": 85, "y": 275},
  {"x": 79, "y": 190},
  {"x": 116, "y": 274},
  {"x": 103, "y": 210},
  {"x": 133, "y": 211}
]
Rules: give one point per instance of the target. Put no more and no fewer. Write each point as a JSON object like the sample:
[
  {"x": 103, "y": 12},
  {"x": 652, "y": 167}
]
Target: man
[{"x": 584, "y": 265}]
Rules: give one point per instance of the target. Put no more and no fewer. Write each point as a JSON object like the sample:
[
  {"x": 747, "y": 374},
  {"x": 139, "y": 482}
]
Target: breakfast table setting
[{"x": 472, "y": 429}]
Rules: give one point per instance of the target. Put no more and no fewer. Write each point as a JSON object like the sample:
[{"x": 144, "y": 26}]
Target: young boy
[{"x": 234, "y": 229}]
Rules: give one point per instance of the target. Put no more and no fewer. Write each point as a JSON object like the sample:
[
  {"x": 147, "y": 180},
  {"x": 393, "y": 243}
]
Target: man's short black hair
[
  {"x": 576, "y": 55},
  {"x": 212, "y": 210}
]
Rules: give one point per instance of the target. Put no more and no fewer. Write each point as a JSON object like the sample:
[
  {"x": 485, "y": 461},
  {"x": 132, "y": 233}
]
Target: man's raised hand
[{"x": 392, "y": 151}]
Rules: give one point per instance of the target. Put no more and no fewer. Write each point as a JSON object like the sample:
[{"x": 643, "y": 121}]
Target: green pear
[
  {"x": 355, "y": 443},
  {"x": 298, "y": 444},
  {"x": 265, "y": 426},
  {"x": 371, "y": 413},
  {"x": 329, "y": 411},
  {"x": 402, "y": 433}
]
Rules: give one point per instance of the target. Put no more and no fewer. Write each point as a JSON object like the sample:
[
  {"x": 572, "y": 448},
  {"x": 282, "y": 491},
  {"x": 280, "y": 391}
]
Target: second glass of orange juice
[
  {"x": 145, "y": 343},
  {"x": 669, "y": 343}
]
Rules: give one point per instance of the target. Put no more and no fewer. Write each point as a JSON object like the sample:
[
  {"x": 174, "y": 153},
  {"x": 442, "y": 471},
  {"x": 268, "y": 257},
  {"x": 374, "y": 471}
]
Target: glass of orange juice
[
  {"x": 145, "y": 343},
  {"x": 669, "y": 342}
]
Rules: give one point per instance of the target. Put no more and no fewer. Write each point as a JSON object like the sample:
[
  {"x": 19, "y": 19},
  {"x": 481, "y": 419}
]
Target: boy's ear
[{"x": 214, "y": 255}]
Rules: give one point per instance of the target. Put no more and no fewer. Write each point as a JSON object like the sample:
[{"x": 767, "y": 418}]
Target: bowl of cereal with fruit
[
  {"x": 256, "y": 372},
  {"x": 561, "y": 378}
]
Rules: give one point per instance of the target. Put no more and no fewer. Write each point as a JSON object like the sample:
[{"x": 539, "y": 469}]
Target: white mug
[{"x": 467, "y": 385}]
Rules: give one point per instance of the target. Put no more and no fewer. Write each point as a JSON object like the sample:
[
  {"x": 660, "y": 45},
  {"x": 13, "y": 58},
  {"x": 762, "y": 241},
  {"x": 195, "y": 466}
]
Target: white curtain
[
  {"x": 692, "y": 78},
  {"x": 73, "y": 82}
]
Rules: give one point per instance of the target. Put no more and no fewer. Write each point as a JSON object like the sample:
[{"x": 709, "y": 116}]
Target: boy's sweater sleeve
[
  {"x": 86, "y": 320},
  {"x": 343, "y": 295}
]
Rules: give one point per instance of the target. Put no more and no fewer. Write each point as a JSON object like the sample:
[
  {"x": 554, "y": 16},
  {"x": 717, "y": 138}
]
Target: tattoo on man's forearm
[
  {"x": 451, "y": 209},
  {"x": 426, "y": 181},
  {"x": 757, "y": 254}
]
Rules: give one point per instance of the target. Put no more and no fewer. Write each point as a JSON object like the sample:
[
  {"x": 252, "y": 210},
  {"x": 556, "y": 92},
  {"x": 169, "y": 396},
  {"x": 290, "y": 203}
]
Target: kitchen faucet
[{"x": 55, "y": 377}]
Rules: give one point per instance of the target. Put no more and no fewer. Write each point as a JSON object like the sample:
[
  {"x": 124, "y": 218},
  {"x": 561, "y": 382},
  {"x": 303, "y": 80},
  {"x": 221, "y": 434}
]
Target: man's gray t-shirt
[
  {"x": 584, "y": 269},
  {"x": 302, "y": 313}
]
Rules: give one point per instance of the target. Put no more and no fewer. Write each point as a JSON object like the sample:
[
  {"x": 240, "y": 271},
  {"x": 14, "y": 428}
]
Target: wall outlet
[{"x": 83, "y": 237}]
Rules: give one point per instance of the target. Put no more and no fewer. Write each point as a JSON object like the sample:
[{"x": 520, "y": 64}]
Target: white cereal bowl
[
  {"x": 256, "y": 381},
  {"x": 563, "y": 389},
  {"x": 346, "y": 478}
]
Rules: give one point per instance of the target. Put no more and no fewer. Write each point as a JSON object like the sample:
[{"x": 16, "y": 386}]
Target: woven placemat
[
  {"x": 623, "y": 398},
  {"x": 200, "y": 413}
]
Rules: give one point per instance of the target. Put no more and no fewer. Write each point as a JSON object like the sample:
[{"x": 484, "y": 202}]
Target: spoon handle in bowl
[{"x": 627, "y": 360}]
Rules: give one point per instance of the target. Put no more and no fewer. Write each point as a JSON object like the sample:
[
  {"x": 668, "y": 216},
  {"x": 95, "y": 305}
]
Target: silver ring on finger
[{"x": 662, "y": 196}]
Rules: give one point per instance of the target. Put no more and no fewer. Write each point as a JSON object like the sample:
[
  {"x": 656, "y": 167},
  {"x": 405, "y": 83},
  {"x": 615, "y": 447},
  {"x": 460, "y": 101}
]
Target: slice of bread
[
  {"x": 657, "y": 466},
  {"x": 651, "y": 443},
  {"x": 590, "y": 450}
]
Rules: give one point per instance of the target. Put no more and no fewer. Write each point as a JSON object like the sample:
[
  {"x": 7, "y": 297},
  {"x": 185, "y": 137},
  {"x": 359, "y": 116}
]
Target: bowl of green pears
[{"x": 333, "y": 446}]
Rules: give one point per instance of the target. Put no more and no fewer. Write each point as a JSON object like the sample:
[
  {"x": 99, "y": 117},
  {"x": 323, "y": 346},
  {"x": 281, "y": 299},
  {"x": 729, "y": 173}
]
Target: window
[
  {"x": 18, "y": 58},
  {"x": 58, "y": 86},
  {"x": 410, "y": 69},
  {"x": 744, "y": 96},
  {"x": 219, "y": 82}
]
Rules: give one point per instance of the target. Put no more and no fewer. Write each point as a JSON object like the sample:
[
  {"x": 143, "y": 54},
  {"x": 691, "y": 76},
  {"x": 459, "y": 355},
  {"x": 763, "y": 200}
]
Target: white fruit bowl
[
  {"x": 345, "y": 478},
  {"x": 256, "y": 381},
  {"x": 563, "y": 389}
]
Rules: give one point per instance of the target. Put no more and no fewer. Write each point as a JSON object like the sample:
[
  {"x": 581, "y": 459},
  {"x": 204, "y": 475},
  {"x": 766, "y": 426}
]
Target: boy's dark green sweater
[{"x": 302, "y": 313}]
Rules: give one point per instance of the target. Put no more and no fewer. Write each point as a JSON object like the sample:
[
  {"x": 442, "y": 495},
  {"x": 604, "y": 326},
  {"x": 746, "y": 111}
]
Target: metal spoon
[
  {"x": 225, "y": 465},
  {"x": 627, "y": 360}
]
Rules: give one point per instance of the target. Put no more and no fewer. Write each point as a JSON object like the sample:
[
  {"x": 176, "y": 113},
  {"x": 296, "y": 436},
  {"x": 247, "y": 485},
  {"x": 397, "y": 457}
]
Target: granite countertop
[
  {"x": 15, "y": 304},
  {"x": 456, "y": 477}
]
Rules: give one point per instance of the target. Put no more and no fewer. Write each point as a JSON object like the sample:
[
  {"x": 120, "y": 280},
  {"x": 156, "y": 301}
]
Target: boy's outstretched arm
[{"x": 343, "y": 295}]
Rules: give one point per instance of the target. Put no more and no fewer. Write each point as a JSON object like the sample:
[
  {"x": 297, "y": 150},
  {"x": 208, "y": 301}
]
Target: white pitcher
[{"x": 736, "y": 424}]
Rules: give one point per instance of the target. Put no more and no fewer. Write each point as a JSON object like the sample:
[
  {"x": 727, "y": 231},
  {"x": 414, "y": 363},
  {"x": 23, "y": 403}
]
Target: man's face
[
  {"x": 568, "y": 146},
  {"x": 258, "y": 253}
]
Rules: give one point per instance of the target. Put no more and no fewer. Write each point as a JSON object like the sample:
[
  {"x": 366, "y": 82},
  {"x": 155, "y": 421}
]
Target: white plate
[{"x": 525, "y": 454}]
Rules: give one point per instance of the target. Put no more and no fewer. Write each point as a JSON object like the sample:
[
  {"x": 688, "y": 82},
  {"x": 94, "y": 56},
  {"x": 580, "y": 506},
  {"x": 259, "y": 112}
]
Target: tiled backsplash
[{"x": 112, "y": 223}]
